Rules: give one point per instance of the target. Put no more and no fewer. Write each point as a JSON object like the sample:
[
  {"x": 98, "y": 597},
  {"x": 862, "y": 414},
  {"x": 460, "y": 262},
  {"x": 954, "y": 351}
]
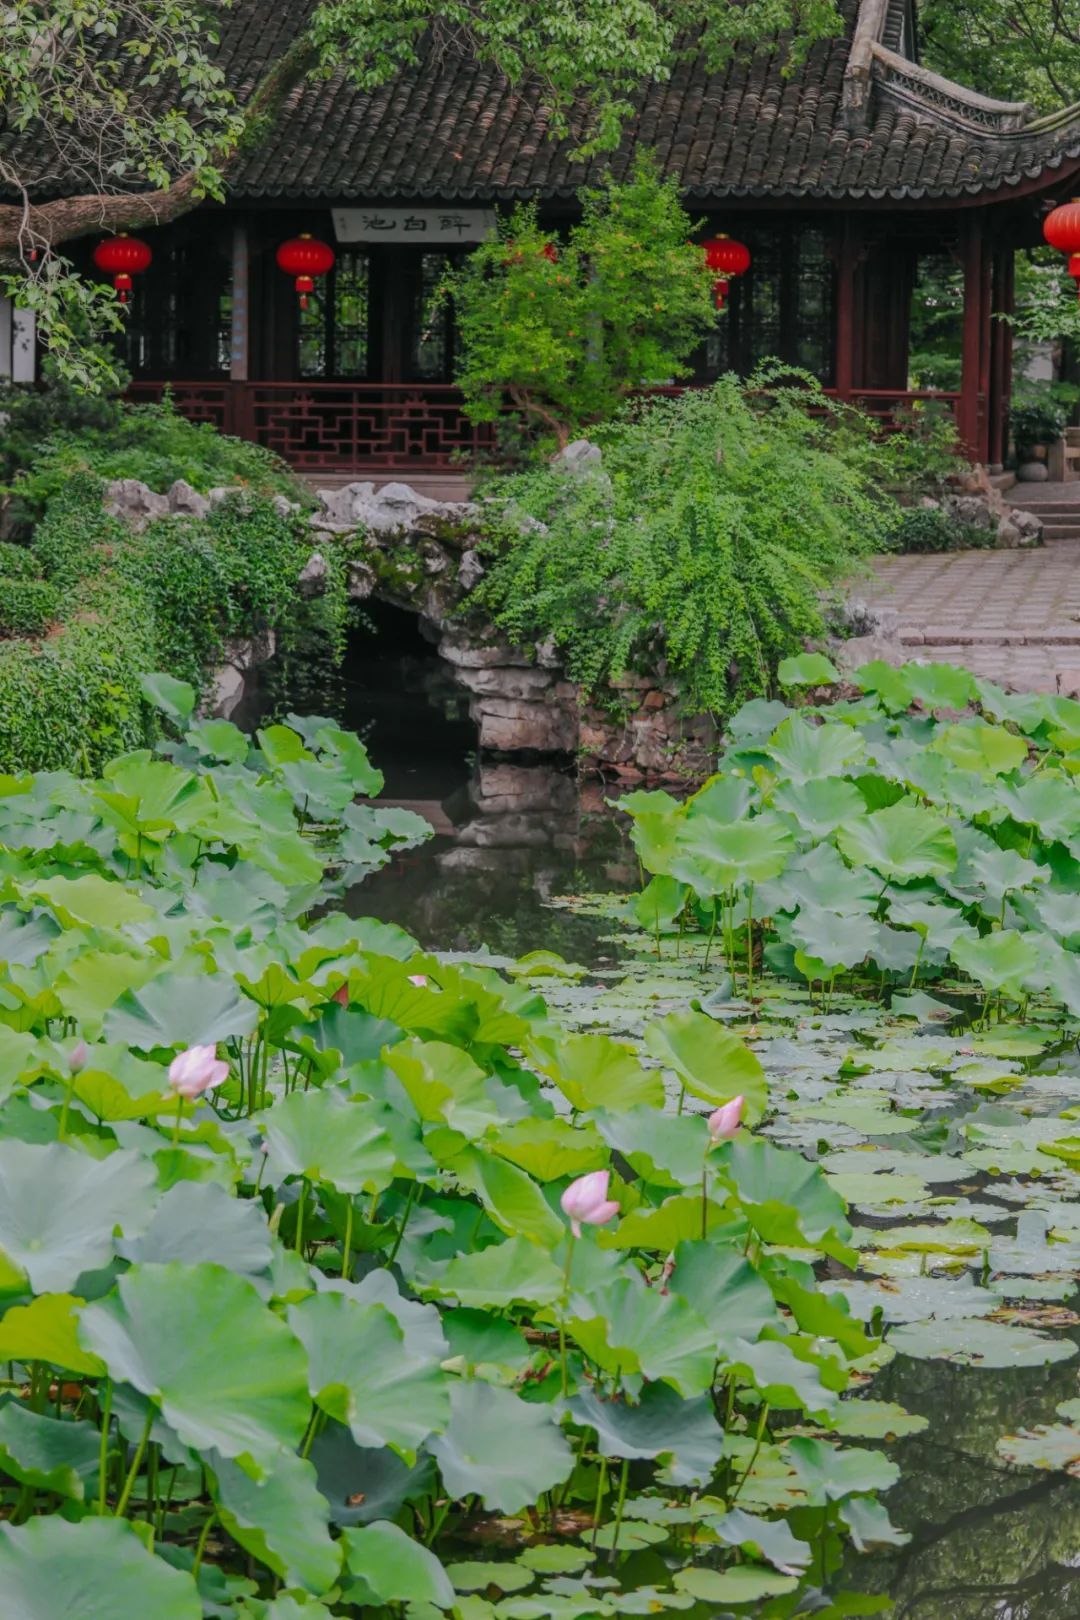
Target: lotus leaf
[{"x": 502, "y": 1448}]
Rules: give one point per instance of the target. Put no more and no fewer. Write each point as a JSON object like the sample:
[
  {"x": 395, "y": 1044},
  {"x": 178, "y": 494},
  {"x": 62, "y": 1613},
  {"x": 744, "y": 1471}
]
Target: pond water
[{"x": 988, "y": 1542}]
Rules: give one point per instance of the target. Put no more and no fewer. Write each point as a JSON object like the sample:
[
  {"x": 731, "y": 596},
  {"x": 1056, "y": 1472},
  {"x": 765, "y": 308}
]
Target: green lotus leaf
[
  {"x": 886, "y": 682},
  {"x": 974, "y": 1343},
  {"x": 785, "y": 1199},
  {"x": 660, "y": 902},
  {"x": 1000, "y": 961},
  {"x": 829, "y": 940},
  {"x": 594, "y": 1071},
  {"x": 196, "y": 1221},
  {"x": 721, "y": 798},
  {"x": 506, "y": 1450},
  {"x": 478, "y": 1338},
  {"x": 626, "y": 1327},
  {"x": 478, "y": 1577},
  {"x": 391, "y": 1567},
  {"x": 975, "y": 746},
  {"x": 666, "y": 1150},
  {"x": 723, "y": 1287},
  {"x": 181, "y": 1010},
  {"x": 226, "y": 1372},
  {"x": 865, "y": 1419},
  {"x": 806, "y": 1382},
  {"x": 45, "y": 1453},
  {"x": 831, "y": 1474},
  {"x": 175, "y": 699},
  {"x": 362, "y": 1485},
  {"x": 771, "y": 1539},
  {"x": 808, "y": 669},
  {"x": 443, "y": 1083},
  {"x": 219, "y": 740},
  {"x": 278, "y": 1515},
  {"x": 903, "y": 841},
  {"x": 654, "y": 836},
  {"x": 360, "y": 1372},
  {"x": 59, "y": 1208},
  {"x": 661, "y": 1227},
  {"x": 90, "y": 900},
  {"x": 148, "y": 798},
  {"x": 512, "y": 1199},
  {"x": 324, "y": 1137},
  {"x": 743, "y": 1583},
  {"x": 714, "y": 859},
  {"x": 939, "y": 686},
  {"x": 916, "y": 1299},
  {"x": 552, "y": 1148},
  {"x": 709, "y": 1060},
  {"x": 1054, "y": 1447},
  {"x": 45, "y": 1330},
  {"x": 97, "y": 1569},
  {"x": 494, "y": 1278},
  {"x": 661, "y": 1425},
  {"x": 803, "y": 751},
  {"x": 819, "y": 805},
  {"x": 869, "y": 1524}
]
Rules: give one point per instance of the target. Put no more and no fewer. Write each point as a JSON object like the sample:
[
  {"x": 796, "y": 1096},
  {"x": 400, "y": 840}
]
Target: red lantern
[
  {"x": 122, "y": 257},
  {"x": 728, "y": 259},
  {"x": 305, "y": 257},
  {"x": 1062, "y": 230}
]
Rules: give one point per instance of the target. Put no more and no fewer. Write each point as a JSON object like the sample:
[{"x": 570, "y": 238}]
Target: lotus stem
[
  {"x": 759, "y": 1435},
  {"x": 601, "y": 1489},
  {"x": 300, "y": 1216},
  {"x": 133, "y": 1471},
  {"x": 564, "y": 1301},
  {"x": 204, "y": 1537},
  {"x": 179, "y": 1118},
  {"x": 406, "y": 1212},
  {"x": 346, "y": 1251},
  {"x": 103, "y": 1449},
  {"x": 619, "y": 1509},
  {"x": 712, "y": 934}
]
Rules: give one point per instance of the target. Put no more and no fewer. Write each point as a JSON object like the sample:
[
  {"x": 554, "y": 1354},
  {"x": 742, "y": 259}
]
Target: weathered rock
[
  {"x": 134, "y": 502},
  {"x": 312, "y": 577},
  {"x": 509, "y": 681},
  {"x": 1029, "y": 524},
  {"x": 185, "y": 501},
  {"x": 241, "y": 657},
  {"x": 578, "y": 454},
  {"x": 1033, "y": 472},
  {"x": 221, "y": 492},
  {"x": 973, "y": 511},
  {"x": 866, "y": 649},
  {"x": 513, "y": 725},
  {"x": 470, "y": 570}
]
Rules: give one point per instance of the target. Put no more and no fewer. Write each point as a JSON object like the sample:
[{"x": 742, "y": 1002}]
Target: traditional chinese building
[{"x": 841, "y": 179}]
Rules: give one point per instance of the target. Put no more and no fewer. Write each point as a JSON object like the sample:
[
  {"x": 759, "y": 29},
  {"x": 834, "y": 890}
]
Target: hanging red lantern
[
  {"x": 305, "y": 257},
  {"x": 727, "y": 258},
  {"x": 1062, "y": 230},
  {"x": 122, "y": 257}
]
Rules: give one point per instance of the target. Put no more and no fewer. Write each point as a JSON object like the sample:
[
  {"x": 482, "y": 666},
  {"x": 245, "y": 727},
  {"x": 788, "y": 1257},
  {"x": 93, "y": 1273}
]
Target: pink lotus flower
[
  {"x": 725, "y": 1122},
  {"x": 197, "y": 1070},
  {"x": 77, "y": 1057},
  {"x": 586, "y": 1200},
  {"x": 419, "y": 979}
]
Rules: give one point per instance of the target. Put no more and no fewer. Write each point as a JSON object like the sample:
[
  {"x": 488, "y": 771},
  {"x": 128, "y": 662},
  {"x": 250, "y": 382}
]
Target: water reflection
[{"x": 506, "y": 842}]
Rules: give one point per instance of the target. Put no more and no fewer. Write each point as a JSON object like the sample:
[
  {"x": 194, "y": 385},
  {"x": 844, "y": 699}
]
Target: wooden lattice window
[
  {"x": 335, "y": 329},
  {"x": 784, "y": 306}
]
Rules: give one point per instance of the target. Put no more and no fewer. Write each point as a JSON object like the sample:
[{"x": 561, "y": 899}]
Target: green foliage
[
  {"x": 1035, "y": 417},
  {"x": 318, "y": 1326},
  {"x": 126, "y": 602},
  {"x": 1027, "y": 54},
  {"x": 27, "y": 606},
  {"x": 705, "y": 538},
  {"x": 927, "y": 529},
  {"x": 920, "y": 454},
  {"x": 563, "y": 330},
  {"x": 50, "y": 438},
  {"x": 18, "y": 562}
]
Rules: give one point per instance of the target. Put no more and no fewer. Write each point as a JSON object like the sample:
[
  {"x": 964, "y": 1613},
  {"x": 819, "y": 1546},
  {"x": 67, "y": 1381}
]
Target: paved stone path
[{"x": 1011, "y": 615}]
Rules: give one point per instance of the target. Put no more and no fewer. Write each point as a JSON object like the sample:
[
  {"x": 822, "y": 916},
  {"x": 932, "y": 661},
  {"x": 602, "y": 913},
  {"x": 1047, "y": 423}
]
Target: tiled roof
[{"x": 457, "y": 130}]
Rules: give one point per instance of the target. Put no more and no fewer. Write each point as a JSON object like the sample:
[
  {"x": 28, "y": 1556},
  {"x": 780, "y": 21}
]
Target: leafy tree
[
  {"x": 566, "y": 329},
  {"x": 88, "y": 148},
  {"x": 1016, "y": 49}
]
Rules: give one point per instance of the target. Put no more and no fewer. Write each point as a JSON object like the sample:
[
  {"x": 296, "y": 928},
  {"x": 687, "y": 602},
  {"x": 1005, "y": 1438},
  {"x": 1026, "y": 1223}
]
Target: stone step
[
  {"x": 1061, "y": 531},
  {"x": 930, "y": 635}
]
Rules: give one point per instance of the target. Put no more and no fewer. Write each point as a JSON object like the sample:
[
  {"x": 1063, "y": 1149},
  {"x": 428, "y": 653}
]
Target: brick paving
[{"x": 1011, "y": 615}]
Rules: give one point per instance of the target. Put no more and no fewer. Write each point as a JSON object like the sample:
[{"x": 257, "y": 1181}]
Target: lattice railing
[{"x": 392, "y": 426}]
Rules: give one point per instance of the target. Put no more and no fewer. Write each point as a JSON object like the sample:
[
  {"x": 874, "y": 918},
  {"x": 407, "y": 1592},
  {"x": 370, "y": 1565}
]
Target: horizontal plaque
[{"x": 418, "y": 225}]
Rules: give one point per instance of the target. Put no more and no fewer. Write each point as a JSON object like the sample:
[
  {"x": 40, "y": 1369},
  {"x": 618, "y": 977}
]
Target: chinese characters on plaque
[{"x": 439, "y": 226}]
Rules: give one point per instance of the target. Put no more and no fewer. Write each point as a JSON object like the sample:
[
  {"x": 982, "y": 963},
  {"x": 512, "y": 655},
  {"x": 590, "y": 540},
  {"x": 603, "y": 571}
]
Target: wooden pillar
[
  {"x": 971, "y": 370},
  {"x": 1000, "y": 357},
  {"x": 846, "y": 264},
  {"x": 240, "y": 334}
]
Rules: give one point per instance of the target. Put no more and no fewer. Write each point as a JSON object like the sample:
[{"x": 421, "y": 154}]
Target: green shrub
[
  {"x": 18, "y": 562},
  {"x": 168, "y": 598},
  {"x": 705, "y": 539},
  {"x": 924, "y": 529},
  {"x": 562, "y": 330},
  {"x": 152, "y": 443},
  {"x": 27, "y": 606}
]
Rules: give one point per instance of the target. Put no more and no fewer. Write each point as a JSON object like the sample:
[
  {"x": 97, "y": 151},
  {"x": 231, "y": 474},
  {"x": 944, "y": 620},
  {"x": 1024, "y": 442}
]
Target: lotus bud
[
  {"x": 586, "y": 1201},
  {"x": 725, "y": 1122},
  {"x": 419, "y": 979},
  {"x": 196, "y": 1070},
  {"x": 77, "y": 1057}
]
